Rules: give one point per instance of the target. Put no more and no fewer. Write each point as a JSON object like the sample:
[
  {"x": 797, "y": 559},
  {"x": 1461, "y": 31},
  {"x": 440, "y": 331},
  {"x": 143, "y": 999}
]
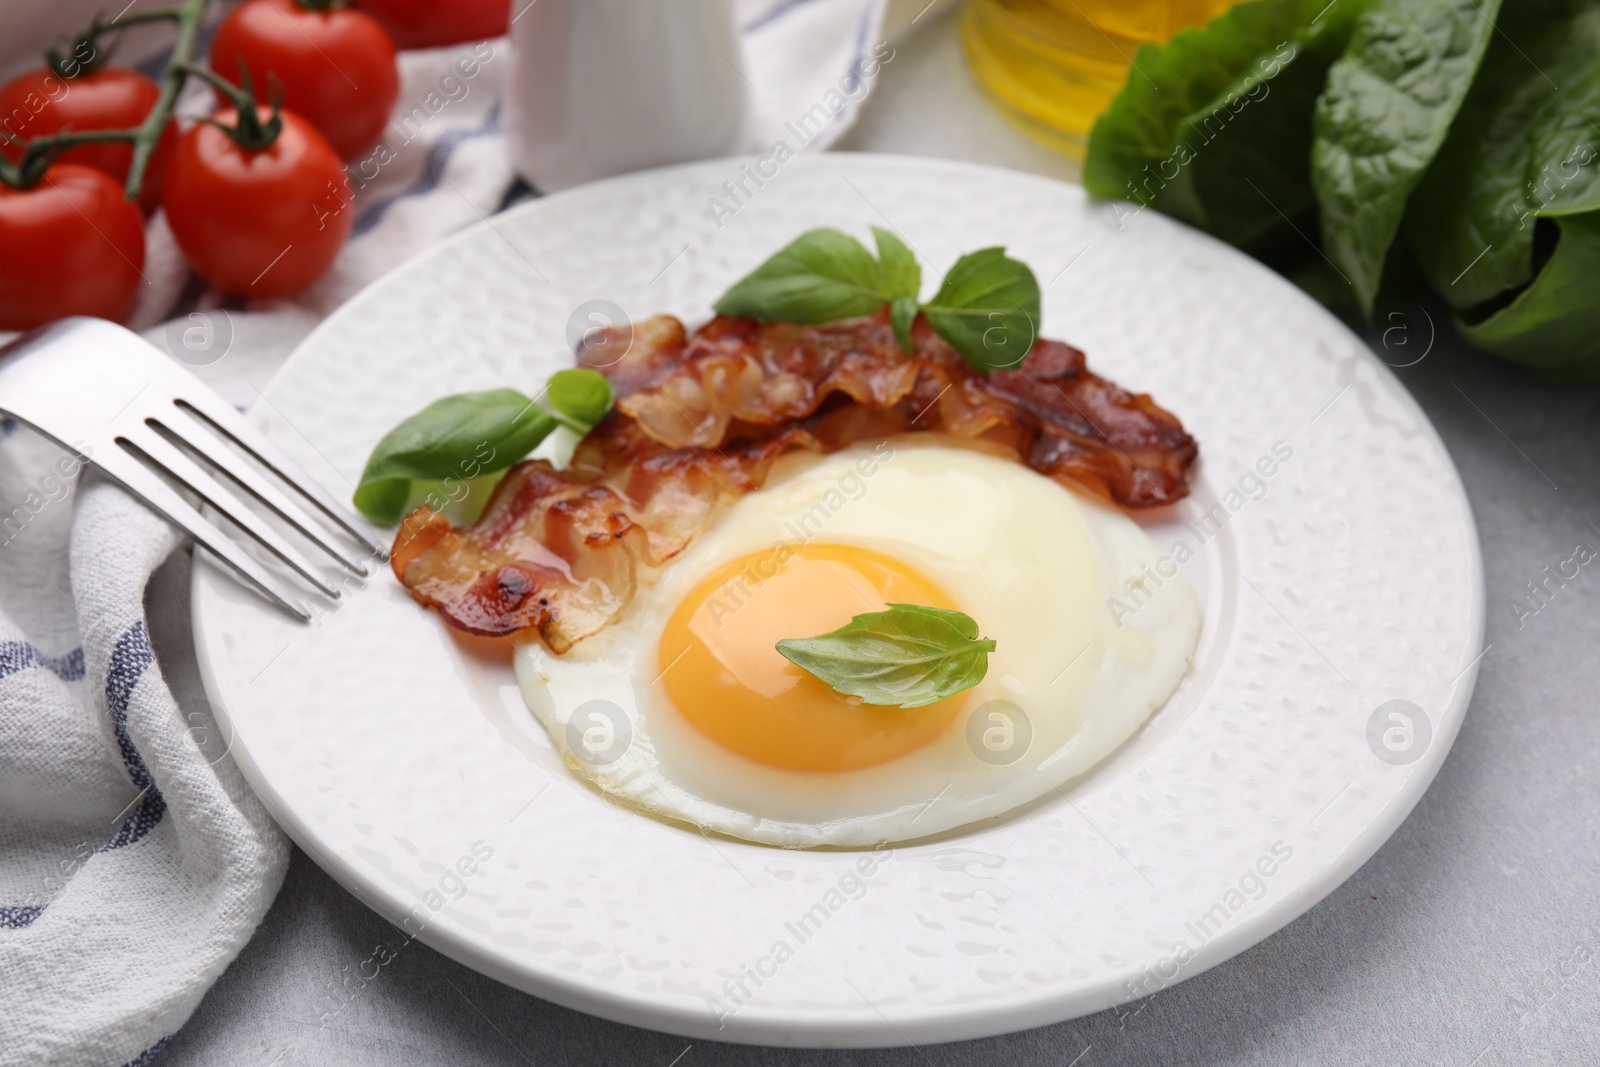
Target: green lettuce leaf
[
  {"x": 1214, "y": 127},
  {"x": 1554, "y": 324},
  {"x": 1388, "y": 104},
  {"x": 1526, "y": 146}
]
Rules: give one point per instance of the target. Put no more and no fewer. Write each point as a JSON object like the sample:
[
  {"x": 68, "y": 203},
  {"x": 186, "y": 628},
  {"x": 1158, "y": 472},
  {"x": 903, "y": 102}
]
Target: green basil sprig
[
  {"x": 578, "y": 398},
  {"x": 907, "y": 655},
  {"x": 988, "y": 304},
  {"x": 987, "y": 308},
  {"x": 824, "y": 275},
  {"x": 464, "y": 437}
]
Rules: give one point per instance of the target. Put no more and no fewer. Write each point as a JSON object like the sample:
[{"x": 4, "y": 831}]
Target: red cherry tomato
[
  {"x": 432, "y": 23},
  {"x": 40, "y": 102},
  {"x": 69, "y": 245},
  {"x": 337, "y": 67},
  {"x": 258, "y": 223}
]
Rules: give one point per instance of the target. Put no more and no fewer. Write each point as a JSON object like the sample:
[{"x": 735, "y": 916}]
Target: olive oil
[{"x": 1054, "y": 65}]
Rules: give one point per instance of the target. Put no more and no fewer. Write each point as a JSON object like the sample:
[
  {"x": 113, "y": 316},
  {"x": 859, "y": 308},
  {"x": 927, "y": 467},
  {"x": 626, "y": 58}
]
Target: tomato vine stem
[
  {"x": 40, "y": 152},
  {"x": 250, "y": 133},
  {"x": 190, "y": 16}
]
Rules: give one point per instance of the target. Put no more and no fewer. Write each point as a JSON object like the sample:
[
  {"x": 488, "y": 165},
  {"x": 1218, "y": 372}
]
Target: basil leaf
[
  {"x": 899, "y": 274},
  {"x": 451, "y": 444},
  {"x": 907, "y": 655},
  {"x": 1553, "y": 325},
  {"x": 462, "y": 437},
  {"x": 1521, "y": 149},
  {"x": 822, "y": 276},
  {"x": 902, "y": 313},
  {"x": 1385, "y": 112},
  {"x": 1213, "y": 127},
  {"x": 579, "y": 398},
  {"x": 988, "y": 309},
  {"x": 383, "y": 500},
  {"x": 461, "y": 502}
]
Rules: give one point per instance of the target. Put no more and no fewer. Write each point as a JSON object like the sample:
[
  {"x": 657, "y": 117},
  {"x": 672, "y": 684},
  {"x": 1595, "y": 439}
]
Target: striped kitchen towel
[{"x": 134, "y": 860}]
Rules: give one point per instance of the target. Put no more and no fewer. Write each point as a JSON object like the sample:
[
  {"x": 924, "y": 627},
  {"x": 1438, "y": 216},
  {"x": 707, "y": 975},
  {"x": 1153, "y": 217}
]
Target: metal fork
[{"x": 139, "y": 417}]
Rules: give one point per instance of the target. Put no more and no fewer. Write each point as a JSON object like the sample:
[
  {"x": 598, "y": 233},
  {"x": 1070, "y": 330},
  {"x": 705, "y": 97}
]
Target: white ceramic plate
[{"x": 1347, "y": 579}]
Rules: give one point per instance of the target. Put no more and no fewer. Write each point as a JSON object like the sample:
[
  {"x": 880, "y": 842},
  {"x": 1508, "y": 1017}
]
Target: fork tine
[
  {"x": 145, "y": 484},
  {"x": 164, "y": 454},
  {"x": 189, "y": 431},
  {"x": 231, "y": 424}
]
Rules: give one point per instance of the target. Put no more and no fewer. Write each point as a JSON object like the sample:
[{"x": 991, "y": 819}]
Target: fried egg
[{"x": 683, "y": 707}]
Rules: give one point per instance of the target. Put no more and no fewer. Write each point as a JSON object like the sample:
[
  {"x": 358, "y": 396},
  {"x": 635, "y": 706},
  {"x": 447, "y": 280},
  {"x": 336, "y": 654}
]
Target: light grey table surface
[{"x": 1472, "y": 937}]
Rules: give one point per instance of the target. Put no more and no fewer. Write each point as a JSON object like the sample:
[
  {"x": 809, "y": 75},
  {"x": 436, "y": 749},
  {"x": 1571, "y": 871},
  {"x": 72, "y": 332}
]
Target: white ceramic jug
[{"x": 601, "y": 87}]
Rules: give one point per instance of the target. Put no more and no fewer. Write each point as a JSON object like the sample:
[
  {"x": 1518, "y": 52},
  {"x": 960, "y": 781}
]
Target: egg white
[{"x": 1035, "y": 564}]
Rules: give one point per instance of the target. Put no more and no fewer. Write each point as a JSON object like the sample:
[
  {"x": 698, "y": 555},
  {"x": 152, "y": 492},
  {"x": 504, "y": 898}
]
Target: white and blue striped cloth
[{"x": 135, "y": 862}]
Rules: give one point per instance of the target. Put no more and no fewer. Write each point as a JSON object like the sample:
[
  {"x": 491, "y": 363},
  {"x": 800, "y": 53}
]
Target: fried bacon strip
[{"x": 700, "y": 419}]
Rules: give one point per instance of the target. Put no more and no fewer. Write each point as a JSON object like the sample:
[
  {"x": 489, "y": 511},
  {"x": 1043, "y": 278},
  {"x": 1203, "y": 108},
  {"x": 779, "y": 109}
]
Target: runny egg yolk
[{"x": 723, "y": 673}]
